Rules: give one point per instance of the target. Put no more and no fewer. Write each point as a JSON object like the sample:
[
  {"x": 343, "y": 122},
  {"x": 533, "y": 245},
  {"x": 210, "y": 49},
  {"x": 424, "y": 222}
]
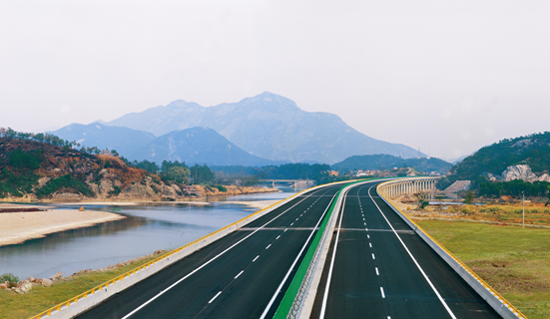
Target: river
[{"x": 146, "y": 229}]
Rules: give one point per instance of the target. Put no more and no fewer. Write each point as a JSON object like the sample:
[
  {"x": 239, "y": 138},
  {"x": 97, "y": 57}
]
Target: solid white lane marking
[
  {"x": 414, "y": 260},
  {"x": 278, "y": 237},
  {"x": 268, "y": 246},
  {"x": 216, "y": 296},
  {"x": 373, "y": 256},
  {"x": 256, "y": 258},
  {"x": 377, "y": 273},
  {"x": 370, "y": 245},
  {"x": 329, "y": 278},
  {"x": 382, "y": 291},
  {"x": 211, "y": 260},
  {"x": 239, "y": 274},
  {"x": 266, "y": 310}
]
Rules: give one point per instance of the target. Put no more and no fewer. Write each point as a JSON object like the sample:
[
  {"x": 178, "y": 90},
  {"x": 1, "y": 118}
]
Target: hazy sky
[{"x": 446, "y": 76}]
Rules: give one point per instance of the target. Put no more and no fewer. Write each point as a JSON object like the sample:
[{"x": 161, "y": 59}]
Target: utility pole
[{"x": 523, "y": 193}]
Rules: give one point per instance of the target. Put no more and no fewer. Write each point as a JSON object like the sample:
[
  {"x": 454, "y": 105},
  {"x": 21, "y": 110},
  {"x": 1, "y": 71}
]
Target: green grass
[
  {"x": 40, "y": 298},
  {"x": 513, "y": 260}
]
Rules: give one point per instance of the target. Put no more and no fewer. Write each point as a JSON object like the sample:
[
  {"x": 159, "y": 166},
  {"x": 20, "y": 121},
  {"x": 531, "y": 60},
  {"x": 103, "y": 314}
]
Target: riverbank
[{"x": 17, "y": 227}]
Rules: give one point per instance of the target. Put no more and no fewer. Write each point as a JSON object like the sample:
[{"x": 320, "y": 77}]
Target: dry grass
[
  {"x": 40, "y": 298},
  {"x": 513, "y": 260}
]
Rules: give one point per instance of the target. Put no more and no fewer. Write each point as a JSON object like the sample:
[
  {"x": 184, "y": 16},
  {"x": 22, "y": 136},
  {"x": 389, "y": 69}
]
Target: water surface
[{"x": 146, "y": 229}]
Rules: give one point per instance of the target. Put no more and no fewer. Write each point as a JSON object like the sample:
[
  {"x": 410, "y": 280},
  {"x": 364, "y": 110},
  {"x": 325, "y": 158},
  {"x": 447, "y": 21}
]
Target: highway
[
  {"x": 242, "y": 275},
  {"x": 377, "y": 267}
]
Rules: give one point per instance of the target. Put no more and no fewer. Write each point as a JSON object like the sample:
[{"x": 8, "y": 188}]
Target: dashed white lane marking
[
  {"x": 268, "y": 246},
  {"x": 382, "y": 291},
  {"x": 372, "y": 256},
  {"x": 278, "y": 237},
  {"x": 253, "y": 260},
  {"x": 366, "y": 229},
  {"x": 216, "y": 296},
  {"x": 239, "y": 274},
  {"x": 389, "y": 317},
  {"x": 377, "y": 273},
  {"x": 370, "y": 245},
  {"x": 286, "y": 229},
  {"x": 296, "y": 218},
  {"x": 291, "y": 225},
  {"x": 365, "y": 224},
  {"x": 414, "y": 260},
  {"x": 368, "y": 236}
]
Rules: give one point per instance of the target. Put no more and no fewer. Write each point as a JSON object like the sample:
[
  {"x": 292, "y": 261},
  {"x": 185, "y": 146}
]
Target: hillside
[
  {"x": 268, "y": 126},
  {"x": 496, "y": 161},
  {"x": 35, "y": 171},
  {"x": 196, "y": 146},
  {"x": 382, "y": 162}
]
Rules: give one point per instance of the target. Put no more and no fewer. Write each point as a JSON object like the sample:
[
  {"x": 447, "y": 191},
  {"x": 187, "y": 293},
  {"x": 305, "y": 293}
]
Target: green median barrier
[{"x": 290, "y": 295}]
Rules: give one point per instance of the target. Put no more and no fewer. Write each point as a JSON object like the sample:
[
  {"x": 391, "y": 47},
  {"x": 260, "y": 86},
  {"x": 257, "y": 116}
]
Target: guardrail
[
  {"x": 493, "y": 298},
  {"x": 101, "y": 292}
]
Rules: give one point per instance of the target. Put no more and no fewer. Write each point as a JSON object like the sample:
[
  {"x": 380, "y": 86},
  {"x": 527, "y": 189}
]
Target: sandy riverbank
[{"x": 18, "y": 227}]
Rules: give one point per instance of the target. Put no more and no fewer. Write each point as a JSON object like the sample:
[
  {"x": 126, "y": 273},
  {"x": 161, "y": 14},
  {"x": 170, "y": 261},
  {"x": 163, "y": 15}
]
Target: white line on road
[
  {"x": 368, "y": 236},
  {"x": 373, "y": 256},
  {"x": 268, "y": 246},
  {"x": 256, "y": 258},
  {"x": 211, "y": 260},
  {"x": 414, "y": 260},
  {"x": 266, "y": 310},
  {"x": 286, "y": 229},
  {"x": 377, "y": 273},
  {"x": 382, "y": 291},
  {"x": 216, "y": 296},
  {"x": 291, "y": 224},
  {"x": 239, "y": 274},
  {"x": 329, "y": 278},
  {"x": 370, "y": 245},
  {"x": 278, "y": 237}
]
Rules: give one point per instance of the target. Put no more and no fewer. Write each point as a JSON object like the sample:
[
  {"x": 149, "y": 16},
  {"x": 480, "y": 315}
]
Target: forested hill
[
  {"x": 382, "y": 162},
  {"x": 533, "y": 150}
]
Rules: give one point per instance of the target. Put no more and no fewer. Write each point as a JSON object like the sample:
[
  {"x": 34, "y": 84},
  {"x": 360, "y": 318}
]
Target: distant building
[
  {"x": 333, "y": 173},
  {"x": 361, "y": 173}
]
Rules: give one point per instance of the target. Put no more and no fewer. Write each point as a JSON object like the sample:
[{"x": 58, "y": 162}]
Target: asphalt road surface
[
  {"x": 243, "y": 275},
  {"x": 382, "y": 269}
]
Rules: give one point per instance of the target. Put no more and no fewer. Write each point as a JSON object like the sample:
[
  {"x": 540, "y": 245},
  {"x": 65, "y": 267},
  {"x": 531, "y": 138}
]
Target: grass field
[
  {"x": 40, "y": 298},
  {"x": 513, "y": 260}
]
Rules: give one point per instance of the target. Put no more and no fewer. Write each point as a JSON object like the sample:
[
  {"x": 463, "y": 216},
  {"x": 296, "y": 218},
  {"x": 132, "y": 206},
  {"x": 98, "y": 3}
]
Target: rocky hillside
[
  {"x": 31, "y": 171},
  {"x": 526, "y": 158}
]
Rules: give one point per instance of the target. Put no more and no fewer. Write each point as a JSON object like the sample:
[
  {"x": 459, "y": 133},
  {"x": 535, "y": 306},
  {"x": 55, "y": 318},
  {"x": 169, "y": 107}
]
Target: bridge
[
  {"x": 296, "y": 183},
  {"x": 334, "y": 251}
]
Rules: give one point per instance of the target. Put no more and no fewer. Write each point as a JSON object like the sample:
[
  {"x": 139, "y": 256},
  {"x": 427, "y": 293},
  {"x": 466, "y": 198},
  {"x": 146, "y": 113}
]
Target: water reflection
[{"x": 145, "y": 229}]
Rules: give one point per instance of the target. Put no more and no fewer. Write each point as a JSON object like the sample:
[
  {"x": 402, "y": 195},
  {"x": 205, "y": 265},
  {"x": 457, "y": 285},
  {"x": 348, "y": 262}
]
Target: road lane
[
  {"x": 374, "y": 275},
  {"x": 240, "y": 282}
]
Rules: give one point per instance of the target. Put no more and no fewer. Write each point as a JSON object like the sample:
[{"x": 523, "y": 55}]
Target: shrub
[
  {"x": 12, "y": 279},
  {"x": 115, "y": 191},
  {"x": 65, "y": 181},
  {"x": 221, "y": 188}
]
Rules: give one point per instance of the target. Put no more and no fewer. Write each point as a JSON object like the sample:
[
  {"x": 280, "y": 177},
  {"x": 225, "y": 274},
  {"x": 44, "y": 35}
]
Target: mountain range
[{"x": 269, "y": 127}]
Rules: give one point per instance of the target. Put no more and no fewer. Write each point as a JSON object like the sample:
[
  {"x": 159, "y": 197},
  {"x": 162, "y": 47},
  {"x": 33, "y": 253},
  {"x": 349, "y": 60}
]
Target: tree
[
  {"x": 469, "y": 197},
  {"x": 548, "y": 196},
  {"x": 179, "y": 174}
]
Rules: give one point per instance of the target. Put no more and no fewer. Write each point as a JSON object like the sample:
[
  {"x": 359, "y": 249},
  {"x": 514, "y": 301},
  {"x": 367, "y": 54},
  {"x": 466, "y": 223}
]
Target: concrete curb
[
  {"x": 484, "y": 291},
  {"x": 78, "y": 305}
]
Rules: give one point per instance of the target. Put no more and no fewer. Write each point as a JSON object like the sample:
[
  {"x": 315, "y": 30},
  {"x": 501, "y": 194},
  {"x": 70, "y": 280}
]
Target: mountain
[
  {"x": 196, "y": 145},
  {"x": 269, "y": 126},
  {"x": 491, "y": 162},
  {"x": 122, "y": 139},
  {"x": 382, "y": 161}
]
